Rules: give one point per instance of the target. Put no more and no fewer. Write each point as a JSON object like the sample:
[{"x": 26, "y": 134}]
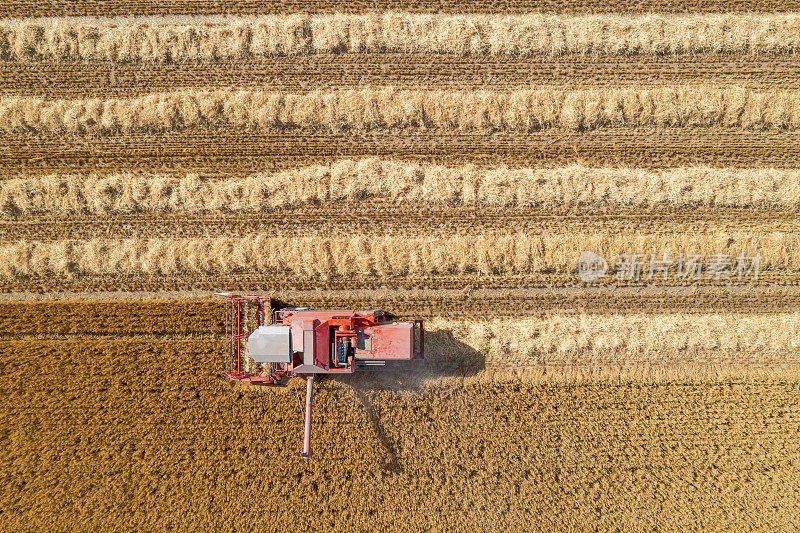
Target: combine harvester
[{"x": 267, "y": 347}]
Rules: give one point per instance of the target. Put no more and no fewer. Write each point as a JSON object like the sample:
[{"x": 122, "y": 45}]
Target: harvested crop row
[
  {"x": 523, "y": 110},
  {"x": 213, "y": 37},
  {"x": 52, "y": 8},
  {"x": 278, "y": 281},
  {"x": 314, "y": 256},
  {"x": 136, "y": 429},
  {"x": 357, "y": 216},
  {"x": 230, "y": 151},
  {"x": 195, "y": 313},
  {"x": 402, "y": 182},
  {"x": 556, "y": 346},
  {"x": 54, "y": 79}
]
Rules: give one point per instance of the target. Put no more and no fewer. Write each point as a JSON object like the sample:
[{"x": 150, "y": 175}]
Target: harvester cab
[{"x": 265, "y": 346}]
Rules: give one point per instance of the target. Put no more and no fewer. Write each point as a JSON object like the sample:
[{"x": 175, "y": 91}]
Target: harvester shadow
[
  {"x": 392, "y": 464},
  {"x": 445, "y": 357}
]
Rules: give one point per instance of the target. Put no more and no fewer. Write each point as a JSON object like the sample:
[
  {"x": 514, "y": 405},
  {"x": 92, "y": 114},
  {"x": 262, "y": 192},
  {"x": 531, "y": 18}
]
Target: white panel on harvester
[{"x": 270, "y": 344}]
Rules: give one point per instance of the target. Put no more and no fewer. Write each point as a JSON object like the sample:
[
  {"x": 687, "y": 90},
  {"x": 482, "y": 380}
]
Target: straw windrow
[
  {"x": 521, "y": 110},
  {"x": 313, "y": 256},
  {"x": 401, "y": 183},
  {"x": 214, "y": 37}
]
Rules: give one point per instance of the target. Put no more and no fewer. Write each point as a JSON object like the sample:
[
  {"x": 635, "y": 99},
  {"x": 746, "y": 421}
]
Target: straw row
[
  {"x": 315, "y": 256},
  {"x": 401, "y": 182},
  {"x": 587, "y": 340},
  {"x": 213, "y": 37},
  {"x": 371, "y": 108}
]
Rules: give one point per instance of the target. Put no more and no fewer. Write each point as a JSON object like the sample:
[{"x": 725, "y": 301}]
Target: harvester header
[{"x": 265, "y": 346}]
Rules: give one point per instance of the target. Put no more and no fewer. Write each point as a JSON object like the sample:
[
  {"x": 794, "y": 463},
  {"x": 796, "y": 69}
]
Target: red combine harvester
[{"x": 265, "y": 347}]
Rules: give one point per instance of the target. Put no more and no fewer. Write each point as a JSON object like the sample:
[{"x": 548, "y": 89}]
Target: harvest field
[{"x": 446, "y": 161}]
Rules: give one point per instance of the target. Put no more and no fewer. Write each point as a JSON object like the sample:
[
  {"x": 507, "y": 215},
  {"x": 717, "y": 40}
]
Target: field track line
[
  {"x": 111, "y": 335},
  {"x": 237, "y": 152},
  {"x": 278, "y": 282}
]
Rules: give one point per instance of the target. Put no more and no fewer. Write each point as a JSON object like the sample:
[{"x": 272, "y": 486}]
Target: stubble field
[
  {"x": 449, "y": 162},
  {"x": 120, "y": 424}
]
